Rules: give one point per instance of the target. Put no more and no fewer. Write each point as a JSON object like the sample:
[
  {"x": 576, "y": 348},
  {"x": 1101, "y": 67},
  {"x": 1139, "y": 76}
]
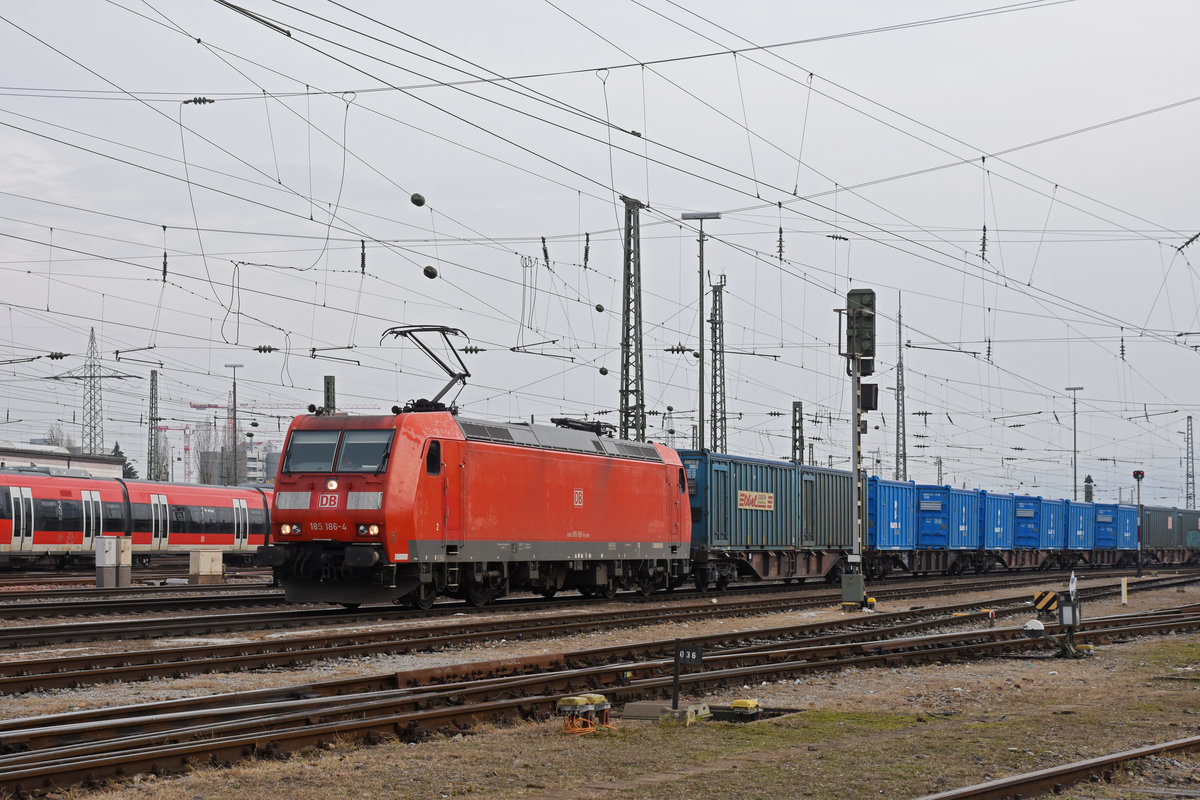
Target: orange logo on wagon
[{"x": 756, "y": 501}]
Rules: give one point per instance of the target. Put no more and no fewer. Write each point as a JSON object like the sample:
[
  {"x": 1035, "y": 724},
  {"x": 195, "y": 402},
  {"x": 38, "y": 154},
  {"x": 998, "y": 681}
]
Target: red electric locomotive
[{"x": 413, "y": 505}]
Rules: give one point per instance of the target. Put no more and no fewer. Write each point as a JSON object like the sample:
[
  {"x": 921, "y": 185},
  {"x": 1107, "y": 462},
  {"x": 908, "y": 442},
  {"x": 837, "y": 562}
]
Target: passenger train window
[
  {"x": 311, "y": 451},
  {"x": 364, "y": 451},
  {"x": 433, "y": 458},
  {"x": 5, "y": 503}
]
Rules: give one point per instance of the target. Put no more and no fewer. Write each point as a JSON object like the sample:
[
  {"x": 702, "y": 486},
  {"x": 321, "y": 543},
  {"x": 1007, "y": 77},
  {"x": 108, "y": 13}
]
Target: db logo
[
  {"x": 579, "y": 498},
  {"x": 327, "y": 501}
]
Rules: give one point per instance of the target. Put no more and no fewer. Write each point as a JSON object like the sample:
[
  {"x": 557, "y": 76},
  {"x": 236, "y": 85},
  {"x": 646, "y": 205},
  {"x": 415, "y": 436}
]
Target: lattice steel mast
[
  {"x": 798, "y": 432},
  {"x": 719, "y": 438},
  {"x": 633, "y": 399},
  {"x": 901, "y": 433},
  {"x": 1190, "y": 467},
  {"x": 154, "y": 467},
  {"x": 92, "y": 373}
]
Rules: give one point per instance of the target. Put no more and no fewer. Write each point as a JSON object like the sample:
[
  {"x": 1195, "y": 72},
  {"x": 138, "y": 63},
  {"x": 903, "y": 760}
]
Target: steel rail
[
  {"x": 1054, "y": 779},
  {"x": 79, "y": 670},
  {"x": 406, "y": 713}
]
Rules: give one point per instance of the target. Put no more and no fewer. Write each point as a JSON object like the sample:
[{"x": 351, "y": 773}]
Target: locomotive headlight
[
  {"x": 288, "y": 530},
  {"x": 368, "y": 530},
  {"x": 331, "y": 484}
]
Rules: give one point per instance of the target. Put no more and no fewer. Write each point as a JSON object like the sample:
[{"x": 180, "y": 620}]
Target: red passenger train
[
  {"x": 410, "y": 506},
  {"x": 57, "y": 518}
]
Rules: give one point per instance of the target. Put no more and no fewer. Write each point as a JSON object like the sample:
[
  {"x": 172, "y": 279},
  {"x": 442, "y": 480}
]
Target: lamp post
[
  {"x": 700, "y": 216},
  {"x": 1137, "y": 476},
  {"x": 1075, "y": 439},
  {"x": 232, "y": 474}
]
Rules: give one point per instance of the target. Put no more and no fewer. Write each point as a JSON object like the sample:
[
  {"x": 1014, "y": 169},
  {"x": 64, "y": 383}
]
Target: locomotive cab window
[
  {"x": 683, "y": 483},
  {"x": 311, "y": 451},
  {"x": 433, "y": 458},
  {"x": 364, "y": 451}
]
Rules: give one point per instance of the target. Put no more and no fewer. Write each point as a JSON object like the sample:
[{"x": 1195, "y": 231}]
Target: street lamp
[
  {"x": 1137, "y": 476},
  {"x": 233, "y": 440},
  {"x": 1075, "y": 438},
  {"x": 700, "y": 216}
]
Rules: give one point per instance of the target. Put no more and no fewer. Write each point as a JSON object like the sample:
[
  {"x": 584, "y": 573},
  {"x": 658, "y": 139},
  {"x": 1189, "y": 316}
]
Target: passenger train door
[
  {"x": 241, "y": 524},
  {"x": 160, "y": 528},
  {"x": 22, "y": 517},
  {"x": 93, "y": 520}
]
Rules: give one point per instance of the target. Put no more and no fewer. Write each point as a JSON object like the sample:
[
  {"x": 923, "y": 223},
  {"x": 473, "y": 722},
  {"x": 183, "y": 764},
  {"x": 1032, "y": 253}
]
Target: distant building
[
  {"x": 55, "y": 457},
  {"x": 262, "y": 462}
]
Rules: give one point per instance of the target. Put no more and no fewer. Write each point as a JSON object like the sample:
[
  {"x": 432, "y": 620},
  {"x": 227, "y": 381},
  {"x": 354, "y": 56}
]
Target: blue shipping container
[
  {"x": 996, "y": 521},
  {"x": 947, "y": 519},
  {"x": 891, "y": 514},
  {"x": 1052, "y": 534},
  {"x": 1127, "y": 527},
  {"x": 1081, "y": 526},
  {"x": 1027, "y": 520},
  {"x": 1106, "y": 526}
]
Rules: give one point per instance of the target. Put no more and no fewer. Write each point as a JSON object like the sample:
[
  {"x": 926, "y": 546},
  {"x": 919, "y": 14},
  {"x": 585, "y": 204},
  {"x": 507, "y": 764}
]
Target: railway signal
[
  {"x": 860, "y": 357},
  {"x": 1137, "y": 476},
  {"x": 860, "y": 323}
]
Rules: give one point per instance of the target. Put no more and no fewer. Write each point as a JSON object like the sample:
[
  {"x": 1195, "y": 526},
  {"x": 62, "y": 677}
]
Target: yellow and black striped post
[{"x": 1046, "y": 602}]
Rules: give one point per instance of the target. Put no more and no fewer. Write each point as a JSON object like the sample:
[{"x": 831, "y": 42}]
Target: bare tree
[
  {"x": 58, "y": 436},
  {"x": 206, "y": 449}
]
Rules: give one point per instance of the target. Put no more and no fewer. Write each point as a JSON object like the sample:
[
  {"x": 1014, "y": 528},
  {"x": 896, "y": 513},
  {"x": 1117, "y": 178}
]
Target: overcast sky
[{"x": 875, "y": 140}]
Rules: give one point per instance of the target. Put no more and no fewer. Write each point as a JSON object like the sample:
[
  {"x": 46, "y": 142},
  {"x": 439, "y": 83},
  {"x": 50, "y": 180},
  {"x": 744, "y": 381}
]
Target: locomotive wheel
[
  {"x": 350, "y": 606},
  {"x": 547, "y": 593},
  {"x": 609, "y": 591},
  {"x": 479, "y": 595},
  {"x": 646, "y": 586},
  {"x": 423, "y": 596},
  {"x": 701, "y": 581}
]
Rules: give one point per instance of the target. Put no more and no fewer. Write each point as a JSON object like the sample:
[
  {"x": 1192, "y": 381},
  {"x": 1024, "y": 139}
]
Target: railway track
[
  {"x": 1055, "y": 779},
  {"x": 149, "y": 603},
  {"x": 42, "y": 754},
  {"x": 75, "y": 670}
]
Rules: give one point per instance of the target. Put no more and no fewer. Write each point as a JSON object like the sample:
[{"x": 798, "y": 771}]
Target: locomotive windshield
[
  {"x": 311, "y": 451},
  {"x": 364, "y": 451},
  {"x": 360, "y": 451}
]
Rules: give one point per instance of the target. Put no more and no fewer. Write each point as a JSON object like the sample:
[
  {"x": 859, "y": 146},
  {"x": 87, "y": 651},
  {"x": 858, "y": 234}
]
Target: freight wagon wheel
[
  {"x": 722, "y": 583},
  {"x": 702, "y": 581},
  {"x": 547, "y": 593}
]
